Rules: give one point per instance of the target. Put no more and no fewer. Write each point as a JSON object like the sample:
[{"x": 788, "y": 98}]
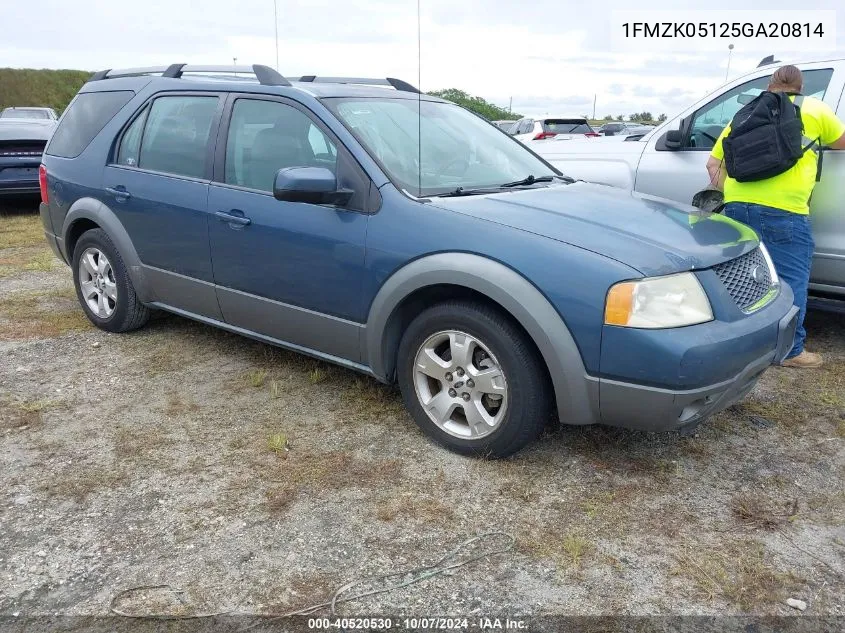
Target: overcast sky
[{"x": 550, "y": 56}]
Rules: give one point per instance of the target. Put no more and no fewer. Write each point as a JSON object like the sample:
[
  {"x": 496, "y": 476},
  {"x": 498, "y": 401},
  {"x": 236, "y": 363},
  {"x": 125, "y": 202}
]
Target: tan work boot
[{"x": 804, "y": 360}]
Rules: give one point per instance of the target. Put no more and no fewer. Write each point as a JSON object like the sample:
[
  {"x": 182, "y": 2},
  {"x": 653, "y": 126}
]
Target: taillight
[
  {"x": 591, "y": 134},
  {"x": 42, "y": 183},
  {"x": 544, "y": 135}
]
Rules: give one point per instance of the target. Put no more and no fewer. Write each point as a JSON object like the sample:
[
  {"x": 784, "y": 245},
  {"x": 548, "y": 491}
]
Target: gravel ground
[{"x": 258, "y": 481}]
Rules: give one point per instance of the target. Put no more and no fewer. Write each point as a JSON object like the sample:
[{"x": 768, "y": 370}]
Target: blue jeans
[{"x": 789, "y": 240}]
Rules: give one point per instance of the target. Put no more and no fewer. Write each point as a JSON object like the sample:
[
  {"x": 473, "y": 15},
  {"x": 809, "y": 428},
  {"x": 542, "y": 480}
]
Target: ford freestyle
[{"x": 307, "y": 214}]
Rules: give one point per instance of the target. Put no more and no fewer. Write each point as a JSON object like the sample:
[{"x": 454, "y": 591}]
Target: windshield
[
  {"x": 459, "y": 149},
  {"x": 562, "y": 126},
  {"x": 21, "y": 113}
]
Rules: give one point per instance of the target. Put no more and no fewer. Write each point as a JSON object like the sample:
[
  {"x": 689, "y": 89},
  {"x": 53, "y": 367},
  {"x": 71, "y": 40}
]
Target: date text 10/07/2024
[{"x": 414, "y": 624}]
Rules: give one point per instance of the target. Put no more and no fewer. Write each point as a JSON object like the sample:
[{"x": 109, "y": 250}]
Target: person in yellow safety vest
[{"x": 777, "y": 208}]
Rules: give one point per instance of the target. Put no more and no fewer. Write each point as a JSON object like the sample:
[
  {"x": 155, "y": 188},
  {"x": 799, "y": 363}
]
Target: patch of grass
[
  {"x": 338, "y": 470},
  {"x": 16, "y": 414},
  {"x": 30, "y": 259},
  {"x": 176, "y": 405},
  {"x": 275, "y": 389},
  {"x": 840, "y": 428},
  {"x": 164, "y": 359},
  {"x": 739, "y": 572},
  {"x": 82, "y": 481},
  {"x": 279, "y": 498},
  {"x": 317, "y": 375},
  {"x": 761, "y": 512},
  {"x": 26, "y": 315},
  {"x": 256, "y": 378},
  {"x": 566, "y": 551},
  {"x": 278, "y": 443},
  {"x": 597, "y": 504},
  {"x": 366, "y": 400},
  {"x": 35, "y": 406},
  {"x": 575, "y": 547},
  {"x": 426, "y": 509},
  {"x": 132, "y": 443},
  {"x": 21, "y": 230}
]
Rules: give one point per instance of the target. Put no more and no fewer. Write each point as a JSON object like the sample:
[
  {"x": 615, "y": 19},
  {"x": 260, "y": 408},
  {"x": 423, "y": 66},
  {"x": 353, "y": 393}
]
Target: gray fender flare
[
  {"x": 576, "y": 392},
  {"x": 100, "y": 214}
]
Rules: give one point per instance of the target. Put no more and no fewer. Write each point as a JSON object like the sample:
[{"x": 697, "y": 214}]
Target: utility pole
[
  {"x": 235, "y": 61},
  {"x": 276, "y": 24},
  {"x": 728, "y": 69},
  {"x": 510, "y": 105},
  {"x": 594, "y": 107}
]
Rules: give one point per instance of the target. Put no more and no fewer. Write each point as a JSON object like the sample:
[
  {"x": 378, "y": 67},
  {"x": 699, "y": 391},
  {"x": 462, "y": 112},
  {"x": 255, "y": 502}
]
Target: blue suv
[{"x": 399, "y": 235}]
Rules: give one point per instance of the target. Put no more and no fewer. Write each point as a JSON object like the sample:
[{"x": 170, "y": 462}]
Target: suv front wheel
[
  {"x": 103, "y": 287},
  {"x": 472, "y": 380}
]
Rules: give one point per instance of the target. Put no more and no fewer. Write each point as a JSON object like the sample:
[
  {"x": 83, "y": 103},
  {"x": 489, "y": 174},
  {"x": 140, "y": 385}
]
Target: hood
[
  {"x": 603, "y": 145},
  {"x": 652, "y": 235},
  {"x": 26, "y": 129}
]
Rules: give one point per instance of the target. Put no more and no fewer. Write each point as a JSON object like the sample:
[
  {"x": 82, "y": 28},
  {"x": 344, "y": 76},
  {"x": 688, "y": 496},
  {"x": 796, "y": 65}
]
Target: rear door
[
  {"x": 287, "y": 270},
  {"x": 157, "y": 184}
]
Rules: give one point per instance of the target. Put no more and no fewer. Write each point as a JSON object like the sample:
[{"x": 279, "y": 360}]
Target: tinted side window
[
  {"x": 130, "y": 144},
  {"x": 175, "y": 138},
  {"x": 87, "y": 114},
  {"x": 709, "y": 122},
  {"x": 266, "y": 136}
]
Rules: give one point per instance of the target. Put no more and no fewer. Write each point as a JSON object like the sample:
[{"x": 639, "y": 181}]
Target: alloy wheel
[{"x": 460, "y": 384}]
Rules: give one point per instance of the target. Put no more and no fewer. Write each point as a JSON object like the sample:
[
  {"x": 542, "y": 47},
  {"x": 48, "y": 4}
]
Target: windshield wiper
[
  {"x": 460, "y": 191},
  {"x": 530, "y": 180}
]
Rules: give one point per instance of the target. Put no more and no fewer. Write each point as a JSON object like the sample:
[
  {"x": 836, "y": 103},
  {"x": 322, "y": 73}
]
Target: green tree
[
  {"x": 634, "y": 117},
  {"x": 608, "y": 117},
  {"x": 662, "y": 117},
  {"x": 620, "y": 117},
  {"x": 44, "y": 88},
  {"x": 645, "y": 116},
  {"x": 476, "y": 104}
]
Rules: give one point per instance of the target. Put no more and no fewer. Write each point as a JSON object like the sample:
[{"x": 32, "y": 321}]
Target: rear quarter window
[{"x": 87, "y": 114}]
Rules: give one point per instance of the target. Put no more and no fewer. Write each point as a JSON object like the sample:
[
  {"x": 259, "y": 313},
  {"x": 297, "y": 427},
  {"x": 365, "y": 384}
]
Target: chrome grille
[{"x": 747, "y": 278}]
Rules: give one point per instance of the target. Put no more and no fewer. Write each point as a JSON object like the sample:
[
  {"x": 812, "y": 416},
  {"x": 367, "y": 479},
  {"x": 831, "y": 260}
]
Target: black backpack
[{"x": 766, "y": 138}]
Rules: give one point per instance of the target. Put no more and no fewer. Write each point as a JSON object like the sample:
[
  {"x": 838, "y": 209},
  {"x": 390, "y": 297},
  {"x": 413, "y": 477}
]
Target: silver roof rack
[
  {"x": 398, "y": 84},
  {"x": 265, "y": 75}
]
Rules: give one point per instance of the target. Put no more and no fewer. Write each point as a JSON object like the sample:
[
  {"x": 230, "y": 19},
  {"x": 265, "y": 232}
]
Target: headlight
[{"x": 658, "y": 302}]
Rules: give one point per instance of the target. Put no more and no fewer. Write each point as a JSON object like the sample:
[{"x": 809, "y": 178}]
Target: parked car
[
  {"x": 548, "y": 127},
  {"x": 505, "y": 126},
  {"x": 22, "y": 142},
  {"x": 306, "y": 214},
  {"x": 670, "y": 160},
  {"x": 29, "y": 113},
  {"x": 622, "y": 128}
]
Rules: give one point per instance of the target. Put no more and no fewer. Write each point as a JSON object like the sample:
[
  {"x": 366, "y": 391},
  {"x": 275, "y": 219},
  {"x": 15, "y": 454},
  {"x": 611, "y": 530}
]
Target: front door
[
  {"x": 289, "y": 271},
  {"x": 678, "y": 174},
  {"x": 157, "y": 185}
]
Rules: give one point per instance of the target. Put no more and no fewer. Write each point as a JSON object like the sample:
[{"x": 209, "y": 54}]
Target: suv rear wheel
[
  {"x": 472, "y": 380},
  {"x": 103, "y": 287}
]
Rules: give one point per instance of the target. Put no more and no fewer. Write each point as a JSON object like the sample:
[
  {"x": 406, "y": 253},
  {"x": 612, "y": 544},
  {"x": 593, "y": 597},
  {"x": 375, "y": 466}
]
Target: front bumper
[{"x": 652, "y": 408}]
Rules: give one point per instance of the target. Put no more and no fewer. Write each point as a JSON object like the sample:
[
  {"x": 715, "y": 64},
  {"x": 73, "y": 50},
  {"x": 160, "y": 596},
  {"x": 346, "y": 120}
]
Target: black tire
[
  {"x": 129, "y": 313},
  {"x": 529, "y": 401}
]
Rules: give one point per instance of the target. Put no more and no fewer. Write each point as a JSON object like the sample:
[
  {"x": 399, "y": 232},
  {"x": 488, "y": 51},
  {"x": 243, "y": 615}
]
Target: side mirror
[
  {"x": 311, "y": 185},
  {"x": 673, "y": 139}
]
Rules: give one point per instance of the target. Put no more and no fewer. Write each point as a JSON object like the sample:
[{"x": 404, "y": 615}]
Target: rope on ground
[{"x": 409, "y": 577}]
